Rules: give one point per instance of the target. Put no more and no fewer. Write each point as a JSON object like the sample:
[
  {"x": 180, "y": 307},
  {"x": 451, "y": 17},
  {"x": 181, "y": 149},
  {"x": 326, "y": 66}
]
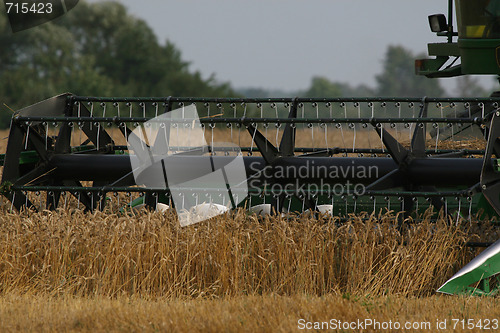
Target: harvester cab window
[
  {"x": 478, "y": 18},
  {"x": 492, "y": 11}
]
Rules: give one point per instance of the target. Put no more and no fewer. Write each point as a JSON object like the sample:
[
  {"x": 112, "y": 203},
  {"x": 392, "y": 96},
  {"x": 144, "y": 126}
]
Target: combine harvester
[{"x": 331, "y": 155}]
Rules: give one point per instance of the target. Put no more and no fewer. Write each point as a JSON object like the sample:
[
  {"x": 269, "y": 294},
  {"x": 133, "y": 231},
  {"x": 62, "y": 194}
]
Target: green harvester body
[{"x": 478, "y": 48}]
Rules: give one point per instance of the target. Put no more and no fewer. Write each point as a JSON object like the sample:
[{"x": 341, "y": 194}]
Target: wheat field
[
  {"x": 74, "y": 271},
  {"x": 149, "y": 255}
]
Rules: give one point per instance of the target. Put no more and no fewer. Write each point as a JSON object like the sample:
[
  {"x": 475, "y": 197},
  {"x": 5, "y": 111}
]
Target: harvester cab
[{"x": 477, "y": 43}]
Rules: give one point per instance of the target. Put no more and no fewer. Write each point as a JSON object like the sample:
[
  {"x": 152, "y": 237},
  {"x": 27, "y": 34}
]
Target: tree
[
  {"x": 468, "y": 86},
  {"x": 96, "y": 49},
  {"x": 398, "y": 77},
  {"x": 322, "y": 87},
  {"x": 127, "y": 51}
]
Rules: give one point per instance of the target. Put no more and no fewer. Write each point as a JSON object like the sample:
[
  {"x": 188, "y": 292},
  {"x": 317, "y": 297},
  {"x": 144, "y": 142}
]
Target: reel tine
[
  {"x": 52, "y": 200},
  {"x": 354, "y": 137},
  {"x": 398, "y": 106},
  {"x": 117, "y": 195},
  {"x": 287, "y": 144},
  {"x": 470, "y": 208},
  {"x": 27, "y": 138},
  {"x": 40, "y": 203},
  {"x": 233, "y": 105},
  {"x": 276, "y": 124},
  {"x": 65, "y": 206},
  {"x": 445, "y": 206}
]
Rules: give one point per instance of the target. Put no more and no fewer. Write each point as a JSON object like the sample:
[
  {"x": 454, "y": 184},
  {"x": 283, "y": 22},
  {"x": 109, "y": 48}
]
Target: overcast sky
[{"x": 282, "y": 44}]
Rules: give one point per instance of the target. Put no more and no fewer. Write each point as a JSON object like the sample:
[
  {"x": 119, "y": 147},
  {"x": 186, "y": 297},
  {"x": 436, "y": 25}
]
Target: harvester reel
[{"x": 83, "y": 146}]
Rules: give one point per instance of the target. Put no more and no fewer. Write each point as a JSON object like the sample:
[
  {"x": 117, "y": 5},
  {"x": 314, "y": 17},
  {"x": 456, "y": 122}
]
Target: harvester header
[{"x": 298, "y": 153}]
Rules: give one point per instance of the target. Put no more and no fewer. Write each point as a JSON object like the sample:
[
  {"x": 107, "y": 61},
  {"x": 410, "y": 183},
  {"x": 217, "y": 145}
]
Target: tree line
[
  {"x": 397, "y": 79},
  {"x": 100, "y": 49}
]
